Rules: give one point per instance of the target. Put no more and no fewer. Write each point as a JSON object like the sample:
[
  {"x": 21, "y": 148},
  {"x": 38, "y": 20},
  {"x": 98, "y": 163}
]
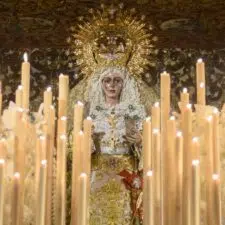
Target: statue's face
[{"x": 112, "y": 85}]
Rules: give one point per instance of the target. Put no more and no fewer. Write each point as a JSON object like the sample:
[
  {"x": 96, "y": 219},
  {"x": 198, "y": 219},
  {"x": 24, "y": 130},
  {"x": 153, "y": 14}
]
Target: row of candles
[
  {"x": 172, "y": 165},
  {"x": 44, "y": 156},
  {"x": 171, "y": 160}
]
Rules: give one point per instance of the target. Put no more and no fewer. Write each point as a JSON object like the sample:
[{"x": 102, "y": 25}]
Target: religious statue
[{"x": 112, "y": 51}]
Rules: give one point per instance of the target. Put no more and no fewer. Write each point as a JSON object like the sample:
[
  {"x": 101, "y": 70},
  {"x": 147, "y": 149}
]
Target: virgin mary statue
[{"x": 112, "y": 50}]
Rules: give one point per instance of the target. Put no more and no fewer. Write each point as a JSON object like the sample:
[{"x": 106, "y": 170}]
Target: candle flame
[
  {"x": 148, "y": 119},
  {"x": 215, "y": 110},
  {"x": 179, "y": 134},
  {"x": 63, "y": 137},
  {"x": 44, "y": 162},
  {"x": 83, "y": 175},
  {"x": 209, "y": 118},
  {"x": 17, "y": 175},
  {"x": 42, "y": 138},
  {"x": 88, "y": 118},
  {"x": 189, "y": 106},
  {"x": 155, "y": 131},
  {"x": 20, "y": 109},
  {"x": 81, "y": 132},
  {"x": 49, "y": 89},
  {"x": 61, "y": 75},
  {"x": 20, "y": 87},
  {"x": 2, "y": 161},
  {"x": 195, "y": 139},
  {"x": 185, "y": 90},
  {"x": 199, "y": 60},
  {"x": 25, "y": 57},
  {"x": 80, "y": 103},
  {"x": 195, "y": 162},
  {"x": 202, "y": 85},
  {"x": 172, "y": 118},
  {"x": 64, "y": 118},
  {"x": 156, "y": 104},
  {"x": 149, "y": 173},
  {"x": 215, "y": 176}
]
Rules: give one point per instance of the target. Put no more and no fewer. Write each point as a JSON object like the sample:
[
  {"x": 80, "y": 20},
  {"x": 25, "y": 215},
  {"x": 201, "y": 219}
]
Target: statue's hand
[{"x": 133, "y": 137}]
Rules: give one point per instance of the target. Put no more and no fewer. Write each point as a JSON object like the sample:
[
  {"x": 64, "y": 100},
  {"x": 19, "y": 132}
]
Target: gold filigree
[{"x": 112, "y": 37}]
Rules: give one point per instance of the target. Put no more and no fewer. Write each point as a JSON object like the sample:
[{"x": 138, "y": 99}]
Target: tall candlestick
[
  {"x": 216, "y": 143},
  {"x": 195, "y": 148},
  {"x": 156, "y": 156},
  {"x": 62, "y": 126},
  {"x": 156, "y": 116},
  {"x": 216, "y": 190},
  {"x": 3, "y": 150},
  {"x": 25, "y": 81},
  {"x": 78, "y": 117},
  {"x": 184, "y": 96},
  {"x": 200, "y": 81},
  {"x": 82, "y": 208},
  {"x": 165, "y": 110},
  {"x": 148, "y": 201},
  {"x": 195, "y": 193},
  {"x": 47, "y": 101},
  {"x": 61, "y": 181},
  {"x": 76, "y": 171},
  {"x": 15, "y": 210},
  {"x": 2, "y": 189},
  {"x": 19, "y": 96},
  {"x": 41, "y": 206},
  {"x": 147, "y": 151},
  {"x": 208, "y": 141},
  {"x": 63, "y": 94},
  {"x": 170, "y": 175},
  {"x": 187, "y": 157},
  {"x": 179, "y": 181}
]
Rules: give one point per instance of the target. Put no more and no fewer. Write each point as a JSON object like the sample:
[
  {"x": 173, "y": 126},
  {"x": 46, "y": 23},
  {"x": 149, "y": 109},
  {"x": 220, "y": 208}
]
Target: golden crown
[{"x": 112, "y": 37}]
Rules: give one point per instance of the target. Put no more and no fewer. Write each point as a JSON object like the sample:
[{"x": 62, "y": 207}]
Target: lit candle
[
  {"x": 216, "y": 190},
  {"x": 76, "y": 171},
  {"x": 200, "y": 81},
  {"x": 62, "y": 126},
  {"x": 179, "y": 180},
  {"x": 78, "y": 117},
  {"x": 156, "y": 116},
  {"x": 61, "y": 181},
  {"x": 148, "y": 201},
  {"x": 195, "y": 193},
  {"x": 147, "y": 151},
  {"x": 19, "y": 96},
  {"x": 184, "y": 96},
  {"x": 165, "y": 110},
  {"x": 25, "y": 81},
  {"x": 170, "y": 175},
  {"x": 216, "y": 143},
  {"x": 15, "y": 209},
  {"x": 47, "y": 101},
  {"x": 195, "y": 148},
  {"x": 82, "y": 208},
  {"x": 156, "y": 155},
  {"x": 187, "y": 158},
  {"x": 208, "y": 142},
  {"x": 63, "y": 95},
  {"x": 41, "y": 206},
  {"x": 2, "y": 188}
]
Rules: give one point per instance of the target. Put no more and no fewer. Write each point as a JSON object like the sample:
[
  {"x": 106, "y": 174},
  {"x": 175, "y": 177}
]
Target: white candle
[
  {"x": 47, "y": 101},
  {"x": 195, "y": 193},
  {"x": 19, "y": 96},
  {"x": 216, "y": 199},
  {"x": 200, "y": 81},
  {"x": 156, "y": 116},
  {"x": 15, "y": 210},
  {"x": 2, "y": 189},
  {"x": 82, "y": 205},
  {"x": 25, "y": 81},
  {"x": 41, "y": 206}
]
